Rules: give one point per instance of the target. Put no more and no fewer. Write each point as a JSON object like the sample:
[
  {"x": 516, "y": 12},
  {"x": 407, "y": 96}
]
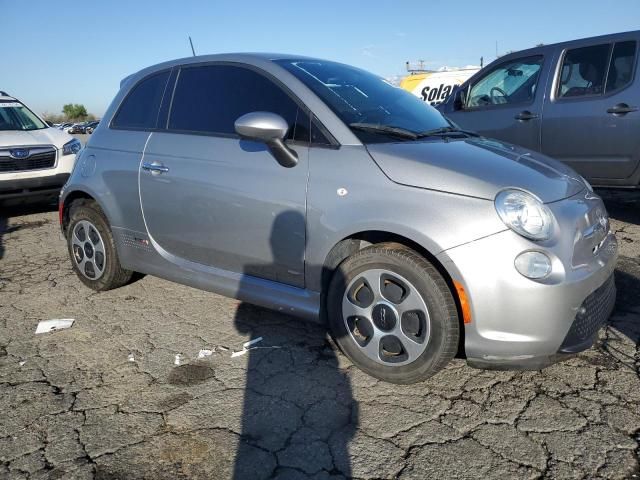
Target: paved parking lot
[{"x": 104, "y": 399}]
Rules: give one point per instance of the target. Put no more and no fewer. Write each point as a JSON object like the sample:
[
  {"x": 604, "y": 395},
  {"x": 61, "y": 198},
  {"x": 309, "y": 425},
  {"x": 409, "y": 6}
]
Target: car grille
[
  {"x": 594, "y": 312},
  {"x": 41, "y": 159}
]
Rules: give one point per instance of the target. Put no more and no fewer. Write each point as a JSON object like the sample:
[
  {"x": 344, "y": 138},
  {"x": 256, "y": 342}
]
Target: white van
[{"x": 35, "y": 159}]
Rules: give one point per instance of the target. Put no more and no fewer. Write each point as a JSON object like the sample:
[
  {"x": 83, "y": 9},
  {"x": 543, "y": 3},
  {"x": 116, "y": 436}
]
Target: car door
[
  {"x": 506, "y": 102},
  {"x": 591, "y": 120},
  {"x": 213, "y": 199}
]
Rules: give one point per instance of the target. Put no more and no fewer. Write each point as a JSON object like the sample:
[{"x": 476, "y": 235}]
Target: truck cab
[{"x": 575, "y": 101}]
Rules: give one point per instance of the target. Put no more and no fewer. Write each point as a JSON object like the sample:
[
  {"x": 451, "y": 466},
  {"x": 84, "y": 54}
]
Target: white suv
[{"x": 35, "y": 159}]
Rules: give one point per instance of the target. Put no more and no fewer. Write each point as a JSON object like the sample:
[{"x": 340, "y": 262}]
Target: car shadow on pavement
[
  {"x": 298, "y": 404},
  {"x": 622, "y": 205},
  {"x": 9, "y": 211},
  {"x": 625, "y": 320}
]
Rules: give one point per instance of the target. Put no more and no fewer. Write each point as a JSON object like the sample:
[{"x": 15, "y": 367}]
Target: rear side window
[
  {"x": 621, "y": 66},
  {"x": 584, "y": 71},
  {"x": 597, "y": 69},
  {"x": 139, "y": 110},
  {"x": 209, "y": 99}
]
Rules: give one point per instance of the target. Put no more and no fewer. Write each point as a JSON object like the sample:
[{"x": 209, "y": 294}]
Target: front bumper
[
  {"x": 49, "y": 185},
  {"x": 518, "y": 323}
]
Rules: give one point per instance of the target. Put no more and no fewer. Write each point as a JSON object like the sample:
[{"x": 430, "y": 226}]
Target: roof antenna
[{"x": 192, "y": 49}]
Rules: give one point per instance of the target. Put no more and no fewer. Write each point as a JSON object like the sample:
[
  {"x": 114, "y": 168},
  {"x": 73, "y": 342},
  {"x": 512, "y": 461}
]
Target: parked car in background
[
  {"x": 35, "y": 159},
  {"x": 64, "y": 126},
  {"x": 575, "y": 101},
  {"x": 91, "y": 126},
  {"x": 321, "y": 190},
  {"x": 77, "y": 128}
]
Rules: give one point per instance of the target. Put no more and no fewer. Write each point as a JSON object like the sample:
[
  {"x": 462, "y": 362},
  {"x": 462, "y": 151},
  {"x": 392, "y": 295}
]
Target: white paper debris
[
  {"x": 54, "y": 325},
  {"x": 252, "y": 342},
  {"x": 248, "y": 346},
  {"x": 22, "y": 363},
  {"x": 131, "y": 358},
  {"x": 205, "y": 353},
  {"x": 176, "y": 360}
]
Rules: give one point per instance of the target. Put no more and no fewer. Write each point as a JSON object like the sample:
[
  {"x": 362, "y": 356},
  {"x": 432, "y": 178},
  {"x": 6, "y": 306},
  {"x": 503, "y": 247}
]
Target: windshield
[
  {"x": 361, "y": 98},
  {"x": 15, "y": 116}
]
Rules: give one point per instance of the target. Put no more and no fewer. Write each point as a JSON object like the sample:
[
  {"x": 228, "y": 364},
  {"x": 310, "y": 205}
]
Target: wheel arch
[
  {"x": 69, "y": 198},
  {"x": 357, "y": 241}
]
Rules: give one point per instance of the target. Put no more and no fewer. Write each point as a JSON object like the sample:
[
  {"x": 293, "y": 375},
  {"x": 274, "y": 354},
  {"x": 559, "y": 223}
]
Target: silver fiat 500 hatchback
[{"x": 323, "y": 191}]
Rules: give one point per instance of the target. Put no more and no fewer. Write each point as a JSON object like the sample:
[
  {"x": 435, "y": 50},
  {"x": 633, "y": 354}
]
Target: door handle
[
  {"x": 155, "y": 168},
  {"x": 525, "y": 115},
  {"x": 621, "y": 109}
]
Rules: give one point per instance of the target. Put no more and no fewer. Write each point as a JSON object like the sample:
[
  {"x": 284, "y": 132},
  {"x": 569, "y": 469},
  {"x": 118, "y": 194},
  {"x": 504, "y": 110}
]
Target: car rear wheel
[
  {"x": 391, "y": 312},
  {"x": 92, "y": 248}
]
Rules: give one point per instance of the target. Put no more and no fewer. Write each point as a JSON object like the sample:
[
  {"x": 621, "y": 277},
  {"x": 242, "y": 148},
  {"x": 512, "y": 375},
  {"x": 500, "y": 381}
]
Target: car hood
[
  {"x": 31, "y": 138},
  {"x": 477, "y": 167}
]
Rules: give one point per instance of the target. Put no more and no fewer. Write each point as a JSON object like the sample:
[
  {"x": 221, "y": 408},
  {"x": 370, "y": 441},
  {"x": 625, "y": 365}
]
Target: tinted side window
[
  {"x": 140, "y": 108},
  {"x": 621, "y": 66},
  {"x": 583, "y": 71},
  {"x": 209, "y": 99}
]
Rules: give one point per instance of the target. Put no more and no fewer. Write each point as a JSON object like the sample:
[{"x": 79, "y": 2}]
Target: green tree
[{"x": 74, "y": 111}]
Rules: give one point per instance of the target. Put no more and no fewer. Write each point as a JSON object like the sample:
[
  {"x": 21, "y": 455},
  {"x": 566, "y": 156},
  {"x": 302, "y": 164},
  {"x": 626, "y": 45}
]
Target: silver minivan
[
  {"x": 324, "y": 192},
  {"x": 578, "y": 102}
]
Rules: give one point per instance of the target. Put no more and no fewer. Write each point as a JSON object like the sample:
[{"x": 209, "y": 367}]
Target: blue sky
[{"x": 55, "y": 52}]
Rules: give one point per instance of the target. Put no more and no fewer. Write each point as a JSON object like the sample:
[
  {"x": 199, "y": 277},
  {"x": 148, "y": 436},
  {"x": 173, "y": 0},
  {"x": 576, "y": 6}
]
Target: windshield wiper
[
  {"x": 445, "y": 132},
  {"x": 385, "y": 129}
]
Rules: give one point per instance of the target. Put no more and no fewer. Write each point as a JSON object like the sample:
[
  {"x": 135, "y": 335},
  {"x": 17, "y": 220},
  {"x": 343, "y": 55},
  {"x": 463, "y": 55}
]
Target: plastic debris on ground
[
  {"x": 205, "y": 353},
  {"x": 22, "y": 363},
  {"x": 131, "y": 358},
  {"x": 176, "y": 360},
  {"x": 249, "y": 346},
  {"x": 54, "y": 325},
  {"x": 246, "y": 345}
]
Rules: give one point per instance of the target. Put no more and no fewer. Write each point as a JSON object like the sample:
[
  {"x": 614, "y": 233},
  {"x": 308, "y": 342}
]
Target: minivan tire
[
  {"x": 443, "y": 324},
  {"x": 114, "y": 275}
]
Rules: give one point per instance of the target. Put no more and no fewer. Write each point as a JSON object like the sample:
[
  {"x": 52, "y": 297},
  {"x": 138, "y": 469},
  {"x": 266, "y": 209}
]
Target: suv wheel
[
  {"x": 392, "y": 313},
  {"x": 92, "y": 248}
]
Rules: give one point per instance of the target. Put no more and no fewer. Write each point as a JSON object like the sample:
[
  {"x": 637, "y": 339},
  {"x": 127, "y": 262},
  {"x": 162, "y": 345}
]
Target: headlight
[
  {"x": 71, "y": 147},
  {"x": 524, "y": 214}
]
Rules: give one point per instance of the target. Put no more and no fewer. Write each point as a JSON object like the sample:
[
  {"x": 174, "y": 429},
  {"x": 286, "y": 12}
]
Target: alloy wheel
[
  {"x": 386, "y": 317},
  {"x": 88, "y": 250}
]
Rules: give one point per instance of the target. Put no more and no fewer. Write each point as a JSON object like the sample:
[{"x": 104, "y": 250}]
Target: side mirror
[
  {"x": 459, "y": 98},
  {"x": 270, "y": 129}
]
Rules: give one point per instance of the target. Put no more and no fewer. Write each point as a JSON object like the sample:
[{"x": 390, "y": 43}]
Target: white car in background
[{"x": 35, "y": 159}]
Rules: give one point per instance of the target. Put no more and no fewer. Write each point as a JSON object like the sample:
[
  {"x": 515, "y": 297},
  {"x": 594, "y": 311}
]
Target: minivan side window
[
  {"x": 139, "y": 110},
  {"x": 209, "y": 99},
  {"x": 512, "y": 82},
  {"x": 621, "y": 66}
]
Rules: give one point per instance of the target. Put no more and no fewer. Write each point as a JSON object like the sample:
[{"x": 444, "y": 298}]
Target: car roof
[
  {"x": 574, "y": 43},
  {"x": 6, "y": 97},
  {"x": 251, "y": 58}
]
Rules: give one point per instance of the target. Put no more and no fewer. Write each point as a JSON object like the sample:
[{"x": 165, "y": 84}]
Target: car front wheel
[
  {"x": 391, "y": 312},
  {"x": 92, "y": 248}
]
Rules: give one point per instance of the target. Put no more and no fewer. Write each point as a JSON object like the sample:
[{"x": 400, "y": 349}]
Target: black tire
[
  {"x": 114, "y": 275},
  {"x": 444, "y": 329}
]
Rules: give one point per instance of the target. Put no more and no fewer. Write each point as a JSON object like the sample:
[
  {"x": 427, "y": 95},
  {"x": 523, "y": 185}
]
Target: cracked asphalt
[{"x": 72, "y": 404}]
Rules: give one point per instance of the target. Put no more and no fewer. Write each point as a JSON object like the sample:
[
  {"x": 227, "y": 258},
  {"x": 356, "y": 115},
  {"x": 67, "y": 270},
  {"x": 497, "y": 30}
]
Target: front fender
[{"x": 435, "y": 220}]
